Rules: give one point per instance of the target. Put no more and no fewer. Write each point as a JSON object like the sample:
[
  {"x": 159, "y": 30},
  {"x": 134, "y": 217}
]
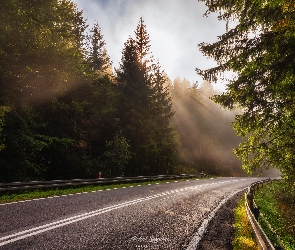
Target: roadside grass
[
  {"x": 278, "y": 208},
  {"x": 13, "y": 196},
  {"x": 243, "y": 237}
]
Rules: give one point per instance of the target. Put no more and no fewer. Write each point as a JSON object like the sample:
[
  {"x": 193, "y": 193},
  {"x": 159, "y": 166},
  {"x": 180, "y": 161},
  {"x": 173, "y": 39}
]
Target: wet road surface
[{"x": 158, "y": 216}]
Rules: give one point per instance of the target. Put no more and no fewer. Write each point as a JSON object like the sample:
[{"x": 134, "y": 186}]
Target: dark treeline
[{"x": 65, "y": 113}]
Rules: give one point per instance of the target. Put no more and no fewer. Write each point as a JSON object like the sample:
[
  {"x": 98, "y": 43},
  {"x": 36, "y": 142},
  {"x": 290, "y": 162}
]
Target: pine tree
[
  {"x": 134, "y": 106},
  {"x": 165, "y": 143},
  {"x": 142, "y": 41},
  {"x": 161, "y": 99},
  {"x": 145, "y": 106},
  {"x": 99, "y": 59}
]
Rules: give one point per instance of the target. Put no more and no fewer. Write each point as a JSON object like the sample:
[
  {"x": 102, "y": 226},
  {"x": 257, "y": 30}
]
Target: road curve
[{"x": 159, "y": 216}]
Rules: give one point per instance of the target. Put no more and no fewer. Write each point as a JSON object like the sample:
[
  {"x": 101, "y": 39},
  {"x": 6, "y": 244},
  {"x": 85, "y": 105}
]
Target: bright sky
[{"x": 176, "y": 27}]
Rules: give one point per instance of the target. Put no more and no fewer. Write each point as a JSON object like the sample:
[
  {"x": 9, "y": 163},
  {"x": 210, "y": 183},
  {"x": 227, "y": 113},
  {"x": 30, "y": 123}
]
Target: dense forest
[{"x": 65, "y": 112}]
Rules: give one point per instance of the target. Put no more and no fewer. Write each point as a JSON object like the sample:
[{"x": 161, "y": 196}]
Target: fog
[
  {"x": 176, "y": 27},
  {"x": 204, "y": 127}
]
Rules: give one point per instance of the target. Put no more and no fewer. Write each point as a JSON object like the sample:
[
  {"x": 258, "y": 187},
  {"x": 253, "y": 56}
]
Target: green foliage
[
  {"x": 259, "y": 48},
  {"x": 64, "y": 114},
  {"x": 116, "y": 156},
  {"x": 98, "y": 57},
  {"x": 24, "y": 156},
  {"x": 3, "y": 110},
  {"x": 39, "y": 49},
  {"x": 277, "y": 204}
]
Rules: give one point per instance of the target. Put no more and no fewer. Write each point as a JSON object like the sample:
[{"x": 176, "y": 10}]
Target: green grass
[
  {"x": 243, "y": 237},
  {"x": 278, "y": 212},
  {"x": 11, "y": 196}
]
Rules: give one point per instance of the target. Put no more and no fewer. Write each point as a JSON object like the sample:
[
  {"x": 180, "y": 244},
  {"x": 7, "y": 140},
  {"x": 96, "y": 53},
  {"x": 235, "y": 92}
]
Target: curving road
[{"x": 160, "y": 216}]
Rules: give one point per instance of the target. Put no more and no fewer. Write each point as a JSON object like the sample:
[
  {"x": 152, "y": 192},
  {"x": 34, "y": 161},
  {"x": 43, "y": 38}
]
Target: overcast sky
[{"x": 176, "y": 27}]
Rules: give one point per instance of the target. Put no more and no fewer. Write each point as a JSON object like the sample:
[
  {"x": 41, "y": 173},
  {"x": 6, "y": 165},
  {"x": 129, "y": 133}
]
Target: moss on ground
[{"x": 244, "y": 237}]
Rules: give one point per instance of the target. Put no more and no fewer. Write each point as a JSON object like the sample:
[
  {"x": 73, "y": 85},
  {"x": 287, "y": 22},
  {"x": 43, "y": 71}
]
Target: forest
[{"x": 65, "y": 112}]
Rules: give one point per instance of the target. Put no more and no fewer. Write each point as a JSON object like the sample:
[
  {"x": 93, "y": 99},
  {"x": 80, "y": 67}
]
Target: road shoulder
[{"x": 220, "y": 231}]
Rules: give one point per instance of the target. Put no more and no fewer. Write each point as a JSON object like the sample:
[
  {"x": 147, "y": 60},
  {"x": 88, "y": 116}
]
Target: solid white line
[
  {"x": 60, "y": 223},
  {"x": 47, "y": 227},
  {"x": 53, "y": 225},
  {"x": 202, "y": 229}
]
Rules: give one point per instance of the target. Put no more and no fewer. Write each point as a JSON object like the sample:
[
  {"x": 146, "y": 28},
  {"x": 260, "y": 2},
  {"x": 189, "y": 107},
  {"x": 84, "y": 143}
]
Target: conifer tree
[
  {"x": 161, "y": 99},
  {"x": 142, "y": 41},
  {"x": 134, "y": 106},
  {"x": 165, "y": 141},
  {"x": 145, "y": 106},
  {"x": 99, "y": 59}
]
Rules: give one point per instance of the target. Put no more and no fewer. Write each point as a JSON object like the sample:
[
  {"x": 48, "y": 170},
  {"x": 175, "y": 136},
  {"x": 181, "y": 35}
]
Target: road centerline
[{"x": 60, "y": 223}]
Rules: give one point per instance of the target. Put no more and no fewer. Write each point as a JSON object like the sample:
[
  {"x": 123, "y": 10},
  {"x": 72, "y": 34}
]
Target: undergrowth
[
  {"x": 243, "y": 237},
  {"x": 276, "y": 202}
]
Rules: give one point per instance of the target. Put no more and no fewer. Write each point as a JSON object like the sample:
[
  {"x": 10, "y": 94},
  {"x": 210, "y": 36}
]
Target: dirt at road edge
[{"x": 220, "y": 231}]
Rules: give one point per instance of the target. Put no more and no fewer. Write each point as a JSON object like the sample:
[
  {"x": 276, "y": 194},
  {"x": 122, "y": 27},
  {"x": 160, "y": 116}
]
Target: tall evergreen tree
[
  {"x": 42, "y": 62},
  {"x": 98, "y": 58},
  {"x": 145, "y": 107},
  {"x": 165, "y": 151},
  {"x": 134, "y": 106},
  {"x": 142, "y": 41}
]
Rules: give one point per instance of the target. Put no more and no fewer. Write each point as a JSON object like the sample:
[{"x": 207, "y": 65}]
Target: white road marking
[
  {"x": 60, "y": 223},
  {"x": 202, "y": 229}
]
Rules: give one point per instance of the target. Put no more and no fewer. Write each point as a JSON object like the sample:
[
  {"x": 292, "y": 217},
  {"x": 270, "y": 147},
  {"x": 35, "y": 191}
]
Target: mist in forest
[{"x": 206, "y": 135}]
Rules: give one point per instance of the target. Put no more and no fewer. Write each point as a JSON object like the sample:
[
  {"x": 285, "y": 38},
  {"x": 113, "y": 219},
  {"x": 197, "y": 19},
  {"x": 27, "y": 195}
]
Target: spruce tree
[
  {"x": 165, "y": 142},
  {"x": 134, "y": 106},
  {"x": 142, "y": 41},
  {"x": 98, "y": 58},
  {"x": 145, "y": 106}
]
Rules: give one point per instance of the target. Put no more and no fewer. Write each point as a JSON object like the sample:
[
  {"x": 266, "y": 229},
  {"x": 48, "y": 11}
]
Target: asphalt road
[{"x": 159, "y": 216}]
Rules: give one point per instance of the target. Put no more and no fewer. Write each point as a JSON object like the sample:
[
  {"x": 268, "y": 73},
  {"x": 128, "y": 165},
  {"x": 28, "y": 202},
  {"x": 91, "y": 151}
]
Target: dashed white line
[
  {"x": 57, "y": 196},
  {"x": 47, "y": 227},
  {"x": 60, "y": 223}
]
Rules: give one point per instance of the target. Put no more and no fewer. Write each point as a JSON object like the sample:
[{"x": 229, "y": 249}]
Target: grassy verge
[
  {"x": 278, "y": 209},
  {"x": 43, "y": 193},
  {"x": 243, "y": 238}
]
